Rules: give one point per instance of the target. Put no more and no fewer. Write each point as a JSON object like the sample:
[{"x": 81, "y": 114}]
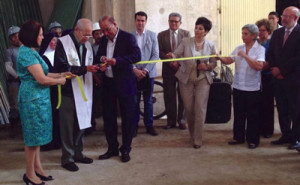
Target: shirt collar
[
  {"x": 137, "y": 33},
  {"x": 115, "y": 38},
  {"x": 176, "y": 32},
  {"x": 291, "y": 29}
]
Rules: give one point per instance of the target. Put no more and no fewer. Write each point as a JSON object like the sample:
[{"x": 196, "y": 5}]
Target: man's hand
[
  {"x": 102, "y": 66},
  {"x": 140, "y": 74},
  {"x": 280, "y": 77},
  {"x": 103, "y": 59},
  {"x": 92, "y": 68},
  {"x": 174, "y": 65},
  {"x": 275, "y": 71},
  {"x": 111, "y": 61},
  {"x": 97, "y": 80},
  {"x": 170, "y": 55}
]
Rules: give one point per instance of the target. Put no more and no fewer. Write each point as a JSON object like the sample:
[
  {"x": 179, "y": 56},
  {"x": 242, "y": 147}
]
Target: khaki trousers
[{"x": 195, "y": 98}]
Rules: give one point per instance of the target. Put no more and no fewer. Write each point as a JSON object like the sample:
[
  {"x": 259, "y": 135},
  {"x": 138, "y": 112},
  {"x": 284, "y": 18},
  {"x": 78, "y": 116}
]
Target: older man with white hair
[{"x": 74, "y": 54}]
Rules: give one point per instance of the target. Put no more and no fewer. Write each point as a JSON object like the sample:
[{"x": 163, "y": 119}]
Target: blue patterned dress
[{"x": 33, "y": 100}]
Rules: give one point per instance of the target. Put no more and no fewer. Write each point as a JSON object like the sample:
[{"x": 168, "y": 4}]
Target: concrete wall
[
  {"x": 121, "y": 10},
  {"x": 46, "y": 7}
]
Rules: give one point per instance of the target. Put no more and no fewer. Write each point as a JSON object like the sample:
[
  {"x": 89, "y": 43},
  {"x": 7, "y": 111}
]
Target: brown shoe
[{"x": 182, "y": 126}]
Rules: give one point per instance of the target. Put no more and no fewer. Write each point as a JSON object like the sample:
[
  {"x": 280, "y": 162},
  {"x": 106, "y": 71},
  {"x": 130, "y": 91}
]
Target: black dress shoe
[
  {"x": 294, "y": 145},
  {"x": 182, "y": 126},
  {"x": 169, "y": 127},
  {"x": 280, "y": 141},
  {"x": 44, "y": 178},
  {"x": 234, "y": 142},
  {"x": 134, "y": 134},
  {"x": 151, "y": 131},
  {"x": 197, "y": 146},
  {"x": 298, "y": 149},
  {"x": 125, "y": 157},
  {"x": 28, "y": 181},
  {"x": 84, "y": 160},
  {"x": 70, "y": 167},
  {"x": 252, "y": 145},
  {"x": 108, "y": 155},
  {"x": 268, "y": 135}
]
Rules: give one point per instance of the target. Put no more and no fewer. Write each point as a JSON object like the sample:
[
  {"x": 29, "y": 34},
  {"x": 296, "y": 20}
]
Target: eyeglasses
[
  {"x": 286, "y": 16},
  {"x": 172, "y": 21},
  {"x": 262, "y": 30},
  {"x": 86, "y": 36}
]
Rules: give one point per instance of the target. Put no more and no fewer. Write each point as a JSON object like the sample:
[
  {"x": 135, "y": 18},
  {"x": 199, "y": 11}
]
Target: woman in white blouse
[
  {"x": 246, "y": 87},
  {"x": 195, "y": 78}
]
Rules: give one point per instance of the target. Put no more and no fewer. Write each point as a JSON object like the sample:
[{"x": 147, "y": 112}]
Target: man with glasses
[
  {"x": 117, "y": 52},
  {"x": 168, "y": 41},
  {"x": 284, "y": 58},
  {"x": 74, "y": 54}
]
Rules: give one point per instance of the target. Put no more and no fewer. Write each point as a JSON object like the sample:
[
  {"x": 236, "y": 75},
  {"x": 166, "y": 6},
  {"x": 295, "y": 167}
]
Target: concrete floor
[{"x": 167, "y": 159}]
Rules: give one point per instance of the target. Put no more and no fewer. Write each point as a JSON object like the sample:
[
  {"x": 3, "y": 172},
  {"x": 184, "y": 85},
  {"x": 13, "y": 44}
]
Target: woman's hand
[
  {"x": 68, "y": 75},
  {"x": 242, "y": 54},
  {"x": 202, "y": 66},
  {"x": 62, "y": 80},
  {"x": 174, "y": 65}
]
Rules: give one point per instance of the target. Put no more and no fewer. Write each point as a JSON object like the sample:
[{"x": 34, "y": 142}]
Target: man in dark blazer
[
  {"x": 117, "y": 52},
  {"x": 284, "y": 58},
  {"x": 168, "y": 41}
]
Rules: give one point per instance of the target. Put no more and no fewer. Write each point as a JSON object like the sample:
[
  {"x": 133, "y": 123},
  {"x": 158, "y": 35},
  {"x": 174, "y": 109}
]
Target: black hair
[
  {"x": 29, "y": 33},
  {"x": 205, "y": 22},
  {"x": 140, "y": 13},
  {"x": 274, "y": 13}
]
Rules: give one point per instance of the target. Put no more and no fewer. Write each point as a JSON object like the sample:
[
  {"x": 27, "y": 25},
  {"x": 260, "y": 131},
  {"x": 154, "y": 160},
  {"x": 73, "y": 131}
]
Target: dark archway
[{"x": 282, "y": 4}]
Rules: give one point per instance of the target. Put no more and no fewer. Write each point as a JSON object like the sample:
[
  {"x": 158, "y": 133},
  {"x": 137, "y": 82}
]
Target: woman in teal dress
[{"x": 34, "y": 100}]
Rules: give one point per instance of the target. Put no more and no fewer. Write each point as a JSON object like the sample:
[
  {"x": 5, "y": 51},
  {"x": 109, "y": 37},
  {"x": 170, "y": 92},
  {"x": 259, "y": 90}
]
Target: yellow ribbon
[
  {"x": 181, "y": 59},
  {"x": 80, "y": 86},
  {"x": 59, "y": 96}
]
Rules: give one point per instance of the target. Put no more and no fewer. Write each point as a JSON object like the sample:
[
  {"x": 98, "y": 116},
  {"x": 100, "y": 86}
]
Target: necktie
[
  {"x": 286, "y": 36},
  {"x": 173, "y": 41}
]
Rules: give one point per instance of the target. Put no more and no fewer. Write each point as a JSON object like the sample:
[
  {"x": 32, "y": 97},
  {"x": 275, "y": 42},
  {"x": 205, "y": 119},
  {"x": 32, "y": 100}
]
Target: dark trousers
[
  {"x": 286, "y": 96},
  {"x": 266, "y": 116},
  {"x": 148, "y": 105},
  {"x": 246, "y": 109},
  {"x": 127, "y": 109},
  {"x": 71, "y": 135},
  {"x": 171, "y": 92}
]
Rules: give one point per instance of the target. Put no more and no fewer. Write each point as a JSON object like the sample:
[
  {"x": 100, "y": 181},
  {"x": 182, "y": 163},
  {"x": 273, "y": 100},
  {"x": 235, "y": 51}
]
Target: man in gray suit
[
  {"x": 145, "y": 73},
  {"x": 168, "y": 41}
]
